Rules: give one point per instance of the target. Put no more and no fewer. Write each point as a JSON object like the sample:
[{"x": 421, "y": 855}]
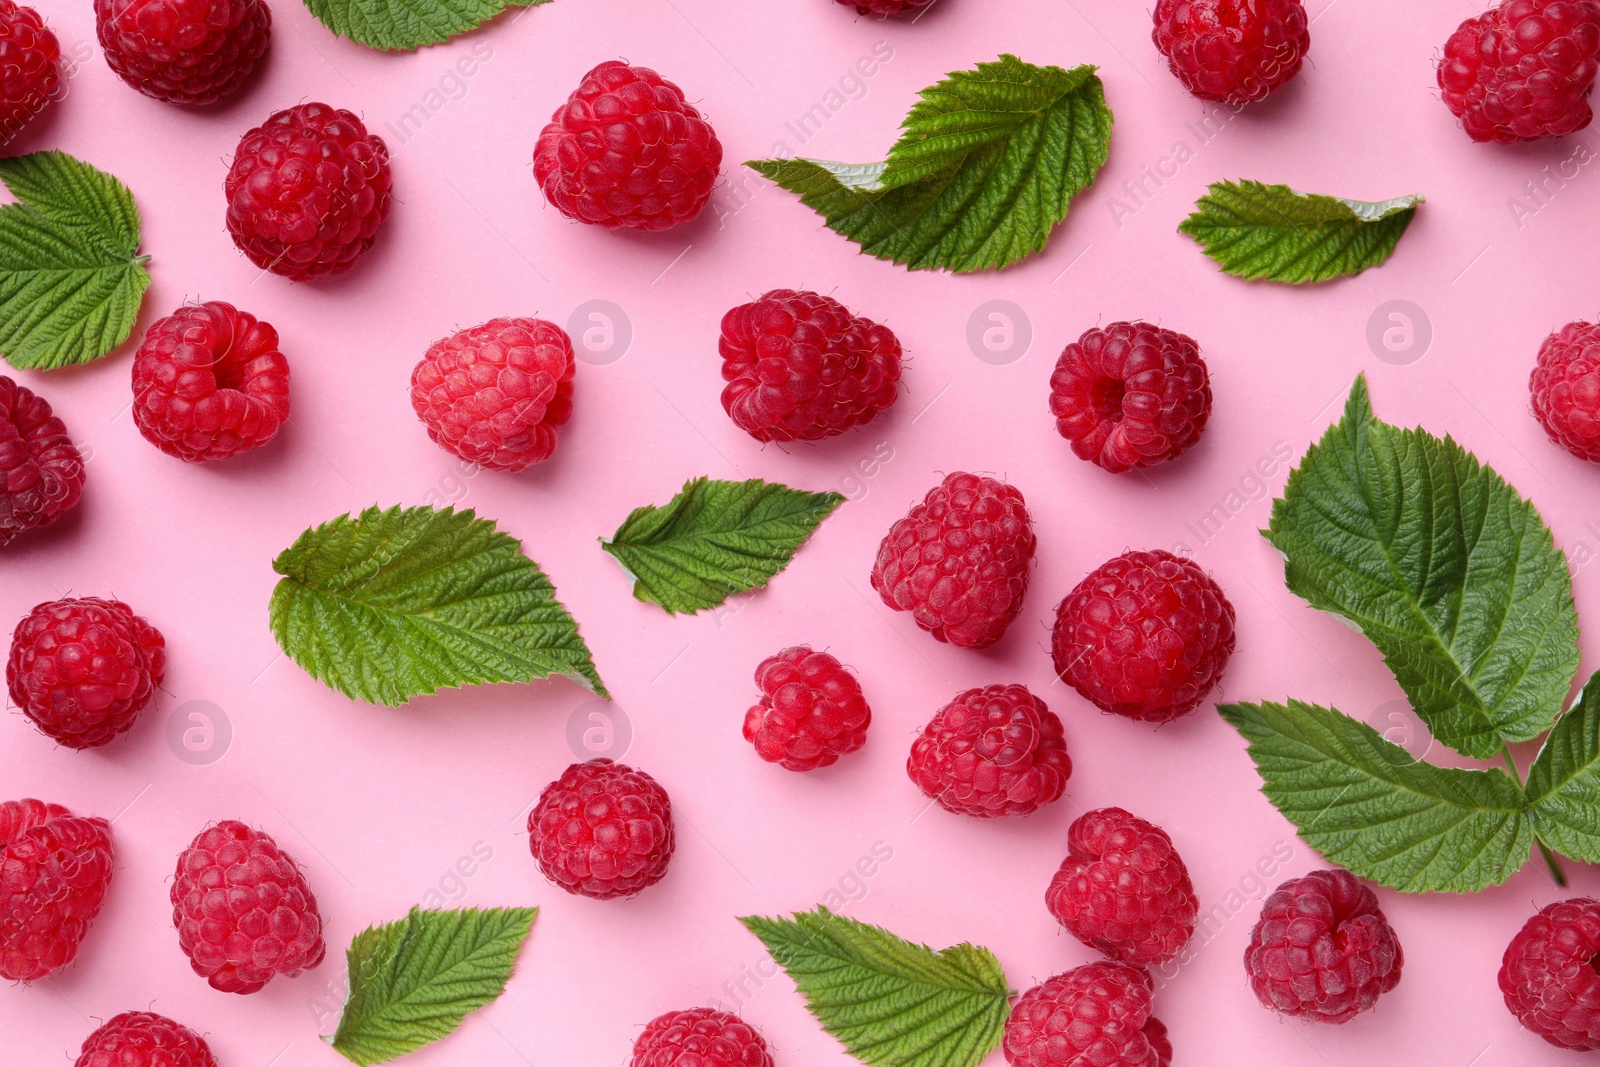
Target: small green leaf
[
  {"x": 986, "y": 166},
  {"x": 891, "y": 1002},
  {"x": 71, "y": 277},
  {"x": 1367, "y": 805},
  {"x": 406, "y": 25},
  {"x": 1270, "y": 231},
  {"x": 715, "y": 539},
  {"x": 1564, "y": 782},
  {"x": 413, "y": 981},
  {"x": 1443, "y": 566},
  {"x": 386, "y": 605}
]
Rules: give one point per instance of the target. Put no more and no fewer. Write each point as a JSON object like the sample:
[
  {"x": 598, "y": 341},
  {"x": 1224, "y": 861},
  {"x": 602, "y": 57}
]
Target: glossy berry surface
[
  {"x": 55, "y": 868},
  {"x": 1523, "y": 70},
  {"x": 183, "y": 51},
  {"x": 1565, "y": 388},
  {"x": 1548, "y": 975},
  {"x": 30, "y": 67},
  {"x": 699, "y": 1037},
  {"x": 41, "y": 470},
  {"x": 144, "y": 1039},
  {"x": 990, "y": 752},
  {"x": 1232, "y": 52},
  {"x": 1098, "y": 1015},
  {"x": 602, "y": 830},
  {"x": 810, "y": 713}
]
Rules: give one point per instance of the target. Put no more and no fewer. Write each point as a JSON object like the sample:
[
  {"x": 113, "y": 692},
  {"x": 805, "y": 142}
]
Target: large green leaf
[
  {"x": 412, "y": 982},
  {"x": 893, "y": 1003},
  {"x": 1443, "y": 566},
  {"x": 1367, "y": 805},
  {"x": 986, "y": 165},
  {"x": 405, "y": 25},
  {"x": 1564, "y": 782},
  {"x": 1270, "y": 231},
  {"x": 387, "y": 605},
  {"x": 71, "y": 276}
]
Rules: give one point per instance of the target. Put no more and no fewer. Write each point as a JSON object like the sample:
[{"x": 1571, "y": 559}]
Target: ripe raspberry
[
  {"x": 1130, "y": 395},
  {"x": 209, "y": 383},
  {"x": 800, "y": 367},
  {"x": 41, "y": 470},
  {"x": 54, "y": 870},
  {"x": 183, "y": 51},
  {"x": 29, "y": 77},
  {"x": 1548, "y": 976},
  {"x": 1566, "y": 389},
  {"x": 699, "y": 1037},
  {"x": 1092, "y": 1016},
  {"x": 1322, "y": 949},
  {"x": 811, "y": 710},
  {"x": 1523, "y": 70},
  {"x": 307, "y": 191},
  {"x": 1123, "y": 889},
  {"x": 885, "y": 8},
  {"x": 1145, "y": 635},
  {"x": 83, "y": 669},
  {"x": 959, "y": 560},
  {"x": 992, "y": 751},
  {"x": 495, "y": 394},
  {"x": 144, "y": 1039},
  {"x": 602, "y": 830},
  {"x": 1232, "y": 51},
  {"x": 627, "y": 149},
  {"x": 243, "y": 910}
]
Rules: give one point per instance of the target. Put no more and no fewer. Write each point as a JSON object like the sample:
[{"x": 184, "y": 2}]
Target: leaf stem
[{"x": 1557, "y": 875}]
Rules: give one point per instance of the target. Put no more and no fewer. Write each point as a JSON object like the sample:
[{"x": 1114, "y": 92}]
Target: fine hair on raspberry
[
  {"x": 41, "y": 470},
  {"x": 30, "y": 62},
  {"x": 801, "y": 367},
  {"x": 1565, "y": 389},
  {"x": 209, "y": 383},
  {"x": 700, "y": 1037},
  {"x": 810, "y": 713},
  {"x": 82, "y": 669},
  {"x": 1523, "y": 70},
  {"x": 495, "y": 394},
  {"x": 993, "y": 751},
  {"x": 144, "y": 1039},
  {"x": 1549, "y": 978},
  {"x": 602, "y": 830},
  {"x": 1098, "y": 1015},
  {"x": 183, "y": 51},
  {"x": 960, "y": 560},
  {"x": 627, "y": 150},
  {"x": 1130, "y": 395},
  {"x": 1233, "y": 52},
  {"x": 1322, "y": 949},
  {"x": 55, "y": 868},
  {"x": 1123, "y": 889},
  {"x": 1146, "y": 635}
]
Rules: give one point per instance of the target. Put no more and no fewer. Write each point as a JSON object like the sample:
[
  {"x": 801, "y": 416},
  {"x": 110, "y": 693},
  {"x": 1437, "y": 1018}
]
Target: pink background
[{"x": 381, "y": 806}]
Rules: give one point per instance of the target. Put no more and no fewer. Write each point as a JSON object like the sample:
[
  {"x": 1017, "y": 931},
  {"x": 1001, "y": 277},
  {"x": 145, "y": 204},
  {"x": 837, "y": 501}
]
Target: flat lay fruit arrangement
[{"x": 909, "y": 532}]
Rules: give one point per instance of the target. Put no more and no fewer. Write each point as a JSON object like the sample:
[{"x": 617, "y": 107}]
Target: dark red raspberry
[
  {"x": 959, "y": 561},
  {"x": 29, "y": 74},
  {"x": 1566, "y": 389},
  {"x": 1092, "y": 1016},
  {"x": 699, "y": 1037},
  {"x": 627, "y": 150},
  {"x": 307, "y": 191},
  {"x": 243, "y": 910},
  {"x": 811, "y": 710},
  {"x": 1232, "y": 51},
  {"x": 800, "y": 367},
  {"x": 990, "y": 752},
  {"x": 1130, "y": 395},
  {"x": 1123, "y": 889},
  {"x": 83, "y": 669},
  {"x": 495, "y": 394},
  {"x": 1549, "y": 977},
  {"x": 885, "y": 8},
  {"x": 1322, "y": 949},
  {"x": 183, "y": 51},
  {"x": 1523, "y": 70},
  {"x": 1146, "y": 635},
  {"x": 144, "y": 1039},
  {"x": 54, "y": 870},
  {"x": 209, "y": 383},
  {"x": 41, "y": 470},
  {"x": 602, "y": 830}
]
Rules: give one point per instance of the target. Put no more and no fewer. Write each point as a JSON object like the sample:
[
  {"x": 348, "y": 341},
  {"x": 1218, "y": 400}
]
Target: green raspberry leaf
[
  {"x": 986, "y": 165},
  {"x": 406, "y": 25},
  {"x": 387, "y": 605},
  {"x": 1270, "y": 231},
  {"x": 1366, "y": 804},
  {"x": 1443, "y": 566},
  {"x": 71, "y": 276},
  {"x": 891, "y": 1002},
  {"x": 1564, "y": 782},
  {"x": 715, "y": 539},
  {"x": 413, "y": 981}
]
